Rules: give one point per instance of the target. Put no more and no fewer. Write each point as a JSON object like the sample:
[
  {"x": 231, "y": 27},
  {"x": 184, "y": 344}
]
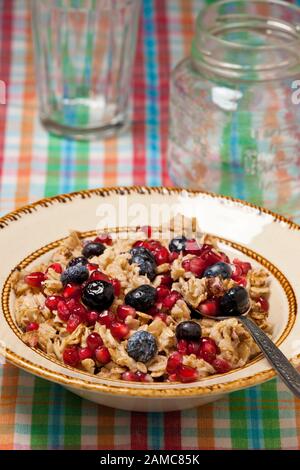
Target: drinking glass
[{"x": 84, "y": 53}]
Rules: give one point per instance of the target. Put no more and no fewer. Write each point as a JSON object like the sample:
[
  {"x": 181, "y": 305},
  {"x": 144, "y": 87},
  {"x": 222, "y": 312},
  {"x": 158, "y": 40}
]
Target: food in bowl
[{"x": 132, "y": 309}]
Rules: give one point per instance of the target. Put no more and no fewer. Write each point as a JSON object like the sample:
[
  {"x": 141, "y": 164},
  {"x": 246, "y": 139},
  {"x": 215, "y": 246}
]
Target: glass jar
[{"x": 235, "y": 105}]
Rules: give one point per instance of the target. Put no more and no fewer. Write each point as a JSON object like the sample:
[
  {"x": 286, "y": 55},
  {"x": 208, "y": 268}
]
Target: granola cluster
[{"x": 63, "y": 315}]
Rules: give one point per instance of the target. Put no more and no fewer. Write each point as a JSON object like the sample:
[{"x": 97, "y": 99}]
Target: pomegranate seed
[
  {"x": 91, "y": 317},
  {"x": 92, "y": 267},
  {"x": 35, "y": 279},
  {"x": 197, "y": 266},
  {"x": 85, "y": 353},
  {"x": 124, "y": 311},
  {"x": 106, "y": 318},
  {"x": 172, "y": 256},
  {"x": 173, "y": 378},
  {"x": 237, "y": 272},
  {"x": 71, "y": 356},
  {"x": 171, "y": 299},
  {"x": 166, "y": 281},
  {"x": 208, "y": 349},
  {"x": 102, "y": 355},
  {"x": 77, "y": 308},
  {"x": 193, "y": 348},
  {"x": 32, "y": 326},
  {"x": 244, "y": 265},
  {"x": 186, "y": 265},
  {"x": 187, "y": 374},
  {"x": 119, "y": 330},
  {"x": 162, "y": 292},
  {"x": 221, "y": 366},
  {"x": 57, "y": 267},
  {"x": 174, "y": 361},
  {"x": 73, "y": 322},
  {"x": 162, "y": 316},
  {"x": 224, "y": 257},
  {"x": 138, "y": 243},
  {"x": 153, "y": 311},
  {"x": 62, "y": 311},
  {"x": 130, "y": 376},
  {"x": 152, "y": 245},
  {"x": 209, "y": 308},
  {"x": 52, "y": 301},
  {"x": 264, "y": 304},
  {"x": 104, "y": 238},
  {"x": 161, "y": 255},
  {"x": 98, "y": 276},
  {"x": 71, "y": 291},
  {"x": 117, "y": 286},
  {"x": 143, "y": 377},
  {"x": 182, "y": 346},
  {"x": 242, "y": 281},
  {"x": 93, "y": 341},
  {"x": 192, "y": 247},
  {"x": 210, "y": 257},
  {"x": 147, "y": 230}
]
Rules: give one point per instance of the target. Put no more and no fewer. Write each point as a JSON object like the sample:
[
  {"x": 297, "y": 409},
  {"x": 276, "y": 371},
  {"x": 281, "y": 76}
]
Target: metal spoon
[{"x": 281, "y": 364}]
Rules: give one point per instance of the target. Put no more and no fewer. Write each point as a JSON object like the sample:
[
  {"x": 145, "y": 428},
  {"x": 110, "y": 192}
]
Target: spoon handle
[{"x": 281, "y": 364}]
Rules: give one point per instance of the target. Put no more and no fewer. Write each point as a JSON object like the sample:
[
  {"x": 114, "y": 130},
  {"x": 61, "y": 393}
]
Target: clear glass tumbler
[
  {"x": 235, "y": 105},
  {"x": 84, "y": 53}
]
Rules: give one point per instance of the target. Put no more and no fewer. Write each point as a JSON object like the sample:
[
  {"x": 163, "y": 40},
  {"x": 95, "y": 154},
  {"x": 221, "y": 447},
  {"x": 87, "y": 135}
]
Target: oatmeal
[{"x": 142, "y": 309}]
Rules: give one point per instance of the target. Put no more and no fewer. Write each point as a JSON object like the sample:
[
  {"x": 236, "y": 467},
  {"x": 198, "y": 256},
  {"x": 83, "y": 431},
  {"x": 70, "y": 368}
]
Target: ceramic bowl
[{"x": 264, "y": 238}]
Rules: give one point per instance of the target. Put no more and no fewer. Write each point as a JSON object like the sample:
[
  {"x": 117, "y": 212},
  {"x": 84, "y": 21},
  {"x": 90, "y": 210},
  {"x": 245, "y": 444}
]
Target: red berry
[
  {"x": 182, "y": 346},
  {"x": 208, "y": 349},
  {"x": 130, "y": 376},
  {"x": 102, "y": 355},
  {"x": 221, "y": 366},
  {"x": 162, "y": 292},
  {"x": 161, "y": 255},
  {"x": 71, "y": 356},
  {"x": 52, "y": 301},
  {"x": 57, "y": 267},
  {"x": 35, "y": 279},
  {"x": 166, "y": 281},
  {"x": 63, "y": 311},
  {"x": 91, "y": 317},
  {"x": 162, "y": 316},
  {"x": 264, "y": 304},
  {"x": 106, "y": 318},
  {"x": 244, "y": 265},
  {"x": 117, "y": 286},
  {"x": 193, "y": 348},
  {"x": 174, "y": 361},
  {"x": 104, "y": 238},
  {"x": 138, "y": 243},
  {"x": 71, "y": 291},
  {"x": 77, "y": 308},
  {"x": 192, "y": 247},
  {"x": 119, "y": 330},
  {"x": 172, "y": 256},
  {"x": 152, "y": 245},
  {"x": 209, "y": 308},
  {"x": 98, "y": 276},
  {"x": 187, "y": 374},
  {"x": 32, "y": 326},
  {"x": 92, "y": 267},
  {"x": 171, "y": 299},
  {"x": 73, "y": 322},
  {"x": 197, "y": 266},
  {"x": 85, "y": 353},
  {"x": 124, "y": 311},
  {"x": 93, "y": 341}
]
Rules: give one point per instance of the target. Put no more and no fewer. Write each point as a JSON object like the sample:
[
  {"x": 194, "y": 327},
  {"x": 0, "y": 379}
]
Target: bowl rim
[{"x": 137, "y": 390}]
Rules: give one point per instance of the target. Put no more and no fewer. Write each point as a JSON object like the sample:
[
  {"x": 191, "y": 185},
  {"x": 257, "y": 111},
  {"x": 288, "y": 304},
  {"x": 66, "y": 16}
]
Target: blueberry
[
  {"x": 235, "y": 302},
  {"x": 219, "y": 269},
  {"x": 142, "y": 346},
  {"x": 75, "y": 274},
  {"x": 98, "y": 295},
  {"x": 188, "y": 330},
  {"x": 177, "y": 244},
  {"x": 142, "y": 298},
  {"x": 79, "y": 260},
  {"x": 145, "y": 261},
  {"x": 93, "y": 249}
]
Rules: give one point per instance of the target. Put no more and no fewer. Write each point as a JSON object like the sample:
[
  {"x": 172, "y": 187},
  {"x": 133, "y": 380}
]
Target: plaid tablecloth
[{"x": 35, "y": 414}]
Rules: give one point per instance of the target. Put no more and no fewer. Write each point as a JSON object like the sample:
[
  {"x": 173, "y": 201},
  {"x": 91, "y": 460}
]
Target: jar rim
[{"x": 220, "y": 3}]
